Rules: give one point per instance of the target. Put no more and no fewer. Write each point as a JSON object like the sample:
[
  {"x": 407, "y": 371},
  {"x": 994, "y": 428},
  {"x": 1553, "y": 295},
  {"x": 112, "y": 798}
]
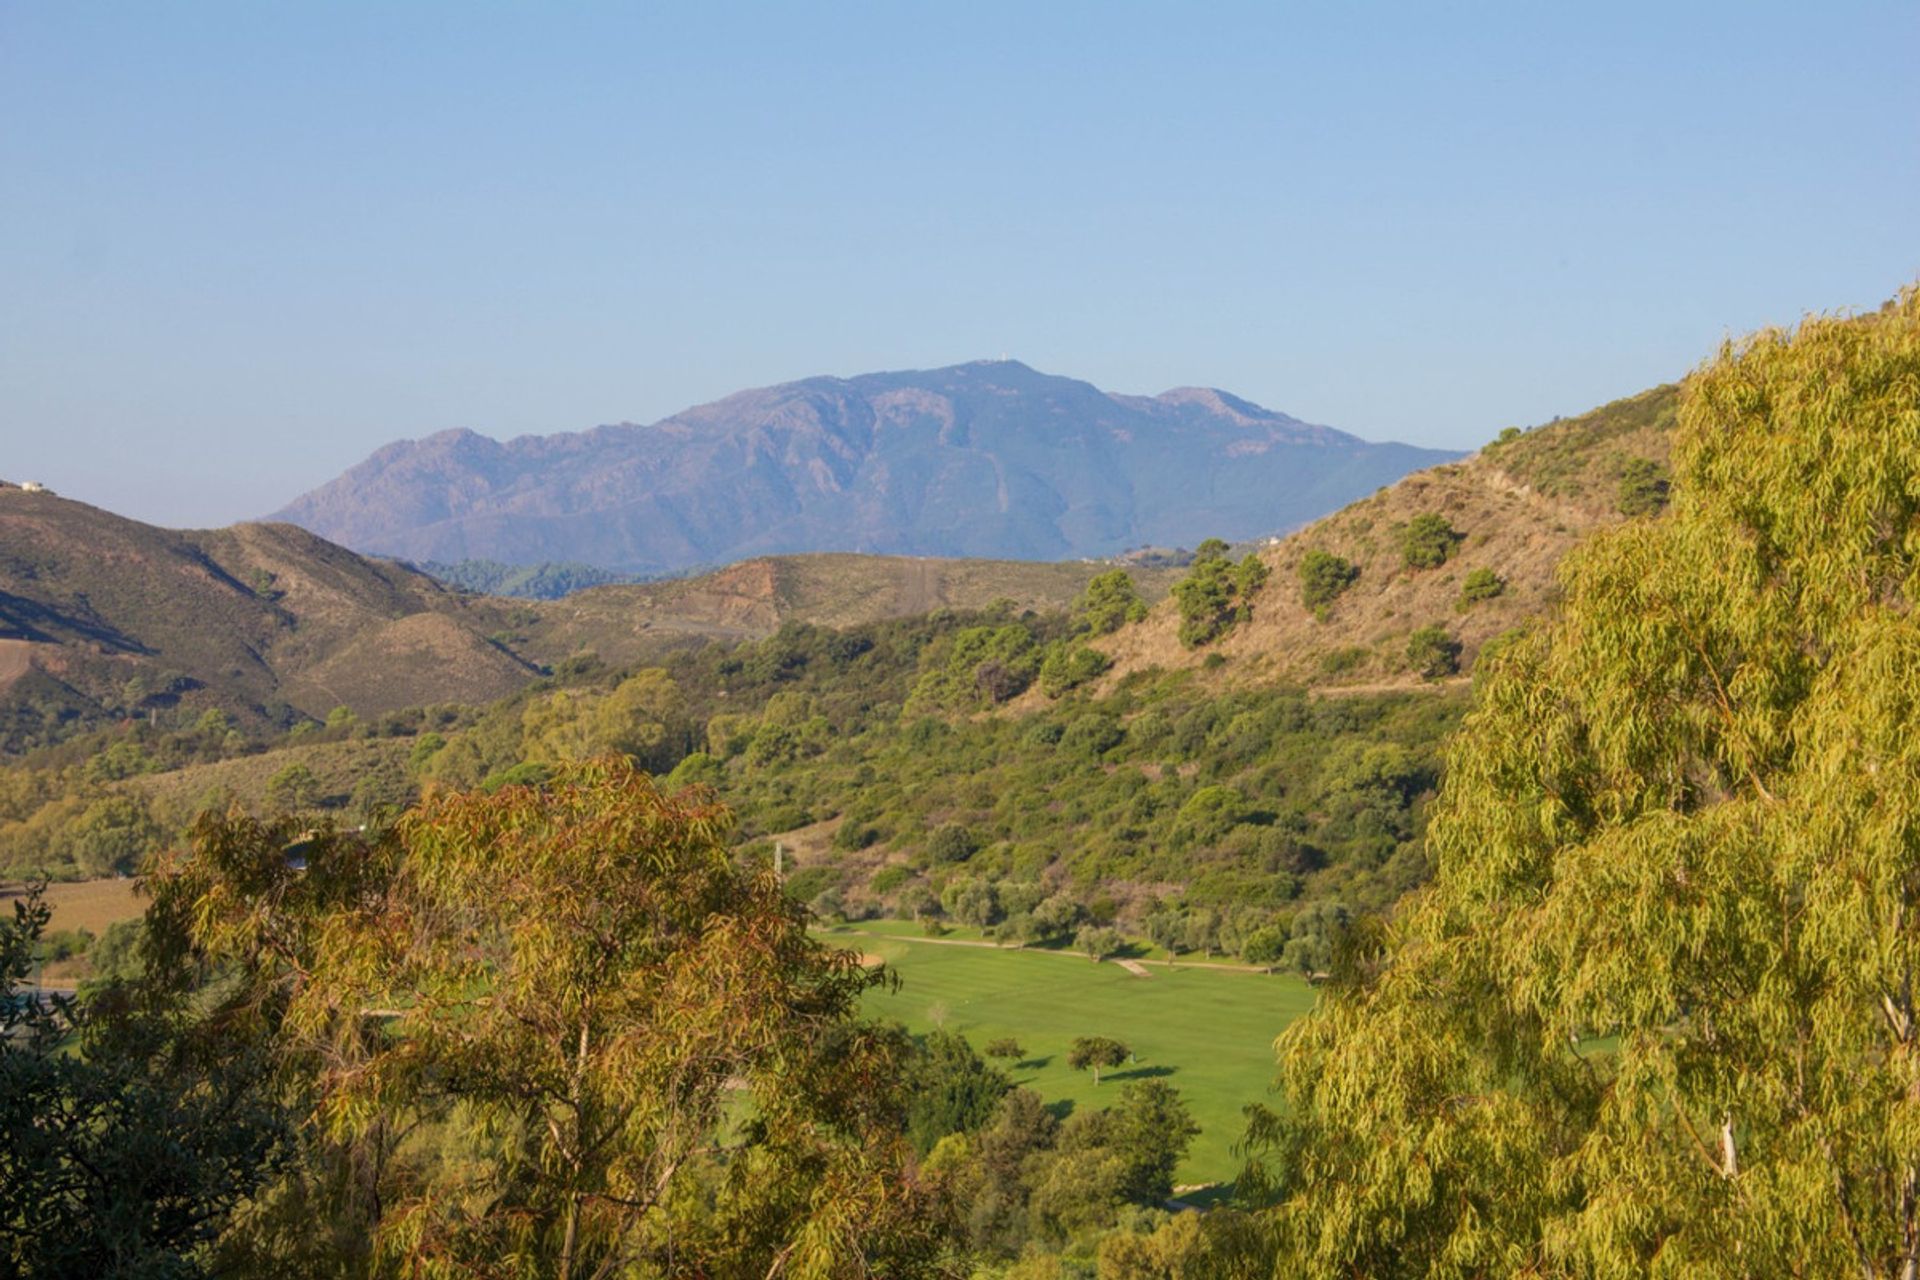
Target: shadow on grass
[
  {"x": 1155, "y": 1072},
  {"x": 1032, "y": 1064}
]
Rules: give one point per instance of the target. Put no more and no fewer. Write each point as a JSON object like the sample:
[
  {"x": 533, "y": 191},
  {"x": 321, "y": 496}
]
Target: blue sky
[{"x": 242, "y": 245}]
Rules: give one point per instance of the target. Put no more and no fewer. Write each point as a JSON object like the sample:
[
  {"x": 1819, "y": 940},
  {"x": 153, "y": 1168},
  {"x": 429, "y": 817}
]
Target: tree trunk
[{"x": 565, "y": 1269}]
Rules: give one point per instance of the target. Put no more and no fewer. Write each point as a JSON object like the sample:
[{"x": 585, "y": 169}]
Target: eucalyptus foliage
[
  {"x": 1657, "y": 1014},
  {"x": 630, "y": 1057}
]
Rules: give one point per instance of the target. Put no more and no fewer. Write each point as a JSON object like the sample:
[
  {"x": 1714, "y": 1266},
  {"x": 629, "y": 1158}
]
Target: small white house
[{"x": 34, "y": 486}]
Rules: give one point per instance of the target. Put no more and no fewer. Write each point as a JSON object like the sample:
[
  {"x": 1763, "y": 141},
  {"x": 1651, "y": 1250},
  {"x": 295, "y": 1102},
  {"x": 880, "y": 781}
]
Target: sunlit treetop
[{"x": 1657, "y": 1013}]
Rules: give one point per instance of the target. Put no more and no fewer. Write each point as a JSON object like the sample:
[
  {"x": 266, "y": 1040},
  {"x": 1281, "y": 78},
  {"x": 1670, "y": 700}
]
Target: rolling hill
[
  {"x": 1518, "y": 506},
  {"x": 986, "y": 460},
  {"x": 102, "y": 617}
]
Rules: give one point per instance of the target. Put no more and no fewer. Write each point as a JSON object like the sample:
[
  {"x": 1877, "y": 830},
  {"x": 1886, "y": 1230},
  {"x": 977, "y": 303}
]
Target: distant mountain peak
[
  {"x": 990, "y": 458},
  {"x": 1217, "y": 401}
]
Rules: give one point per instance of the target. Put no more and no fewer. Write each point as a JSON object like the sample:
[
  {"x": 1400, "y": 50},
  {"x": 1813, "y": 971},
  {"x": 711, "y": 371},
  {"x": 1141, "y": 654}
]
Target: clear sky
[{"x": 242, "y": 245}]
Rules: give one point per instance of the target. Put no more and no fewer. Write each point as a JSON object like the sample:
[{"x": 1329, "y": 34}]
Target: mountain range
[{"x": 990, "y": 459}]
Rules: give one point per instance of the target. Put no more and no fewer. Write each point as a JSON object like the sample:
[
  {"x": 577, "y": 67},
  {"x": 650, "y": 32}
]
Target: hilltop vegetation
[
  {"x": 1677, "y": 825},
  {"x": 633, "y": 624}
]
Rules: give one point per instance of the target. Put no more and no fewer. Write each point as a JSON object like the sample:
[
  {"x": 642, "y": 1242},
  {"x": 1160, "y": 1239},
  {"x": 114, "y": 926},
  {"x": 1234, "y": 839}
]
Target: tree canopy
[
  {"x": 645, "y": 1058},
  {"x": 1217, "y": 593},
  {"x": 1091, "y": 1053},
  {"x": 1657, "y": 1013}
]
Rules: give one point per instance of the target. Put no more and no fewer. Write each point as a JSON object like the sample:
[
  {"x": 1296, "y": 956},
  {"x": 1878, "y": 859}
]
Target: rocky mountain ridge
[{"x": 985, "y": 460}]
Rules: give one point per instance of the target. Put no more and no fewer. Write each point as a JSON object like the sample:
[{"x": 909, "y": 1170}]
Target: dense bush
[
  {"x": 1109, "y": 603},
  {"x": 1217, "y": 593},
  {"x": 1481, "y": 584},
  {"x": 1643, "y": 488},
  {"x": 1428, "y": 541},
  {"x": 1323, "y": 577},
  {"x": 1432, "y": 652},
  {"x": 1069, "y": 665}
]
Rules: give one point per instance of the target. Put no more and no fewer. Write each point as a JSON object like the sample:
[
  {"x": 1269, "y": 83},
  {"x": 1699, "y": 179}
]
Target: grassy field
[
  {"x": 78, "y": 904},
  {"x": 1208, "y": 1032},
  {"x": 82, "y": 904}
]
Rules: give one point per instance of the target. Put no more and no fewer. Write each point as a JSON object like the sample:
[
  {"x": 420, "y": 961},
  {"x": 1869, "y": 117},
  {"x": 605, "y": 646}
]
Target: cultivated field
[{"x": 1207, "y": 1031}]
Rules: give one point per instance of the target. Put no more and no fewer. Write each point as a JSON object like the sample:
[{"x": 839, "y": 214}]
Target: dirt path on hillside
[
  {"x": 1391, "y": 686},
  {"x": 1135, "y": 968}
]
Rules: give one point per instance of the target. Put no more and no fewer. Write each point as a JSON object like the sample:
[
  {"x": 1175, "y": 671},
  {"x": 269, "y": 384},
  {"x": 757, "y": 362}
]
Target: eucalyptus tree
[
  {"x": 560, "y": 1032},
  {"x": 1657, "y": 1014}
]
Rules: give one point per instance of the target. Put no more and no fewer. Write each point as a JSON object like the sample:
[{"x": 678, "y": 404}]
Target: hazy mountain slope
[
  {"x": 549, "y": 580},
  {"x": 1519, "y": 505},
  {"x": 991, "y": 459}
]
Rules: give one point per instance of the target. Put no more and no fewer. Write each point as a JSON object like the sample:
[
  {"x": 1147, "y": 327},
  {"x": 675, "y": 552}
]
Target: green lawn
[{"x": 1208, "y": 1032}]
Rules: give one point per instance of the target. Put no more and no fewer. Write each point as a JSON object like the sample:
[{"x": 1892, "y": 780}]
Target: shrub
[
  {"x": 1481, "y": 584},
  {"x": 971, "y": 901},
  {"x": 1339, "y": 661},
  {"x": 1093, "y": 734},
  {"x": 1068, "y": 666},
  {"x": 1433, "y": 653},
  {"x": 887, "y": 879},
  {"x": 1097, "y": 942},
  {"x": 1428, "y": 541},
  {"x": 808, "y": 883},
  {"x": 1323, "y": 577},
  {"x": 1216, "y": 594},
  {"x": 951, "y": 842},
  {"x": 1109, "y": 603},
  {"x": 424, "y": 749},
  {"x": 294, "y": 787},
  {"x": 697, "y": 769}
]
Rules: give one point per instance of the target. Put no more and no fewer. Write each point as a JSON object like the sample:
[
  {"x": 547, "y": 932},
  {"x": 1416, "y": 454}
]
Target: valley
[{"x": 1014, "y": 822}]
